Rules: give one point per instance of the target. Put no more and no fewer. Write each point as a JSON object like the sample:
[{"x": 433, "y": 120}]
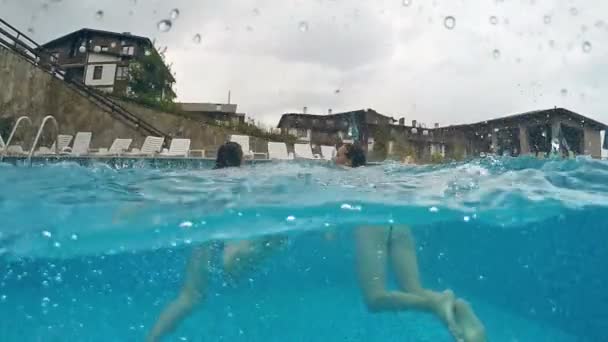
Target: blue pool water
[{"x": 94, "y": 253}]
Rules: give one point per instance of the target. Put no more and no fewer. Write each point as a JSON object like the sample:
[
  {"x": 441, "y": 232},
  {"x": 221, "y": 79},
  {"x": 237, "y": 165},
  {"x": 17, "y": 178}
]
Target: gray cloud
[{"x": 399, "y": 60}]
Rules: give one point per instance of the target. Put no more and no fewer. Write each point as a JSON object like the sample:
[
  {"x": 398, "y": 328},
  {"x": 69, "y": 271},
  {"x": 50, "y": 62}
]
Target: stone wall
[{"x": 27, "y": 90}]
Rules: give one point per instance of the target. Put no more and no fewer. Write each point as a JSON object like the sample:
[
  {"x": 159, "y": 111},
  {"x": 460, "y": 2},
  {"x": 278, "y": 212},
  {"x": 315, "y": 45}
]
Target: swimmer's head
[
  {"x": 351, "y": 155},
  {"x": 229, "y": 154}
]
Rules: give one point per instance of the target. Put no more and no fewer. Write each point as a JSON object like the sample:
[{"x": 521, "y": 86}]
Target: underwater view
[{"x": 98, "y": 253}]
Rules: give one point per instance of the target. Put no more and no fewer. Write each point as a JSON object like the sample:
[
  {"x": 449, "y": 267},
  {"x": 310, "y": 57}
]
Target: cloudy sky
[{"x": 398, "y": 57}]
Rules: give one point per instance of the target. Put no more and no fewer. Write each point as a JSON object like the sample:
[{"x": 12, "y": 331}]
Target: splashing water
[{"x": 131, "y": 204}]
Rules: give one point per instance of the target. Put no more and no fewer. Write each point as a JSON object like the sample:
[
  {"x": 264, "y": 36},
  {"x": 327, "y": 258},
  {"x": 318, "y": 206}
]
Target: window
[
  {"x": 128, "y": 50},
  {"x": 104, "y": 48},
  {"x": 97, "y": 72},
  {"x": 330, "y": 123},
  {"x": 302, "y": 133},
  {"x": 122, "y": 73}
]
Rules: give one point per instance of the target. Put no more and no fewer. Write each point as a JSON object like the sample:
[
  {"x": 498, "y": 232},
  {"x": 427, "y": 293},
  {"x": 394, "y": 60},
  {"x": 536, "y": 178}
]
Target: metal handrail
[
  {"x": 46, "y": 118},
  {"x": 10, "y": 137}
]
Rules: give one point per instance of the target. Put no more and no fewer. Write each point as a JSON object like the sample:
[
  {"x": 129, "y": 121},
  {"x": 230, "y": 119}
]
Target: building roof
[
  {"x": 208, "y": 107},
  {"x": 97, "y": 32},
  {"x": 285, "y": 116},
  {"x": 537, "y": 115}
]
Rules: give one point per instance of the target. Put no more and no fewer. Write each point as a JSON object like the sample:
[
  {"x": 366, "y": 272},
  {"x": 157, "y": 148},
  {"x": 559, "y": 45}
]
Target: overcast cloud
[{"x": 400, "y": 60}]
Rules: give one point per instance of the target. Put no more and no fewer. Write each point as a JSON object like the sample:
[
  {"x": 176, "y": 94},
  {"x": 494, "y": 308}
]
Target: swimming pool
[{"x": 94, "y": 253}]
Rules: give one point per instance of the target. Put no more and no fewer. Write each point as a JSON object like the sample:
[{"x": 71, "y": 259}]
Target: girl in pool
[
  {"x": 377, "y": 247},
  {"x": 237, "y": 258}
]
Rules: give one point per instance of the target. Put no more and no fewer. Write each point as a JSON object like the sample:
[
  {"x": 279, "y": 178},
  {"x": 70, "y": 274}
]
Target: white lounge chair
[
  {"x": 151, "y": 146},
  {"x": 328, "y": 152},
  {"x": 15, "y": 150},
  {"x": 278, "y": 151},
  {"x": 62, "y": 142},
  {"x": 81, "y": 145},
  {"x": 178, "y": 148},
  {"x": 118, "y": 147},
  {"x": 243, "y": 140},
  {"x": 304, "y": 151}
]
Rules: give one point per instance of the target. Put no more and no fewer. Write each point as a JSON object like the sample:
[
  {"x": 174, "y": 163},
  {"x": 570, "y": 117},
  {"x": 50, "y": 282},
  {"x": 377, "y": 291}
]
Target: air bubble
[
  {"x": 449, "y": 22},
  {"x": 164, "y": 25},
  {"x": 74, "y": 237},
  {"x": 433, "y": 209},
  {"x": 303, "y": 26},
  {"x": 291, "y": 218},
  {"x": 185, "y": 224},
  {"x": 46, "y": 234}
]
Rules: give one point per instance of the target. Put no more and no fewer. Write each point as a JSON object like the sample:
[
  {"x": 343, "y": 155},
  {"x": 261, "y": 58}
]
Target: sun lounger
[
  {"x": 304, "y": 151},
  {"x": 328, "y": 152},
  {"x": 151, "y": 146},
  {"x": 243, "y": 140},
  {"x": 178, "y": 148},
  {"x": 278, "y": 151},
  {"x": 118, "y": 147},
  {"x": 81, "y": 145}
]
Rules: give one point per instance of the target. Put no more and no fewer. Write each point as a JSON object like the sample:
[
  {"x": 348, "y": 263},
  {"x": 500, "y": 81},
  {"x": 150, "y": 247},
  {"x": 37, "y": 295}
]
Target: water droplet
[
  {"x": 466, "y": 219},
  {"x": 3, "y": 298},
  {"x": 164, "y": 25},
  {"x": 147, "y": 53},
  {"x": 185, "y": 224},
  {"x": 57, "y": 245},
  {"x": 197, "y": 38},
  {"x": 449, "y": 22},
  {"x": 433, "y": 209},
  {"x": 46, "y": 234},
  {"x": 587, "y": 47},
  {"x": 256, "y": 12},
  {"x": 493, "y": 20},
  {"x": 407, "y": 3},
  {"x": 599, "y": 23},
  {"x": 30, "y": 30},
  {"x": 552, "y": 43},
  {"x": 547, "y": 19},
  {"x": 174, "y": 14},
  {"x": 74, "y": 237},
  {"x": 82, "y": 49},
  {"x": 97, "y": 49},
  {"x": 99, "y": 15},
  {"x": 496, "y": 54},
  {"x": 564, "y": 92},
  {"x": 303, "y": 26},
  {"x": 291, "y": 218},
  {"x": 574, "y": 11}
]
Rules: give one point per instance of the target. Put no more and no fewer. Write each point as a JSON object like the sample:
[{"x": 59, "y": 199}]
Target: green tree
[{"x": 151, "y": 80}]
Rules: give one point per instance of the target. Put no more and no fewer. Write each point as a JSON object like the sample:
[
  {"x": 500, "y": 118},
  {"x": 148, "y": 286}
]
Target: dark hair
[
  {"x": 355, "y": 153},
  {"x": 229, "y": 154}
]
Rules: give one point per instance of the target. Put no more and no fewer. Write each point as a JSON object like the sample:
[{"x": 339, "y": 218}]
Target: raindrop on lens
[
  {"x": 449, "y": 22},
  {"x": 174, "y": 14},
  {"x": 99, "y": 15},
  {"x": 406, "y": 3},
  {"x": 587, "y": 47},
  {"x": 547, "y": 19},
  {"x": 574, "y": 11},
  {"x": 197, "y": 39},
  {"x": 303, "y": 26},
  {"x": 493, "y": 20},
  {"x": 496, "y": 54},
  {"x": 164, "y": 25},
  {"x": 564, "y": 92}
]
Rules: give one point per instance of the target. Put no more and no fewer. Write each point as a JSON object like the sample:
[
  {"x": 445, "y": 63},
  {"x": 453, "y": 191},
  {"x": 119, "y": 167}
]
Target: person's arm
[{"x": 193, "y": 292}]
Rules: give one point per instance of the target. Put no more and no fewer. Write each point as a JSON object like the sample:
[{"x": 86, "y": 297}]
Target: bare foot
[
  {"x": 443, "y": 307},
  {"x": 472, "y": 328}
]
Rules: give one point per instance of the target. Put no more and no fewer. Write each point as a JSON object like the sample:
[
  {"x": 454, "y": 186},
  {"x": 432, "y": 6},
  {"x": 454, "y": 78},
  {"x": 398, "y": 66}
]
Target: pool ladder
[{"x": 36, "y": 139}]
